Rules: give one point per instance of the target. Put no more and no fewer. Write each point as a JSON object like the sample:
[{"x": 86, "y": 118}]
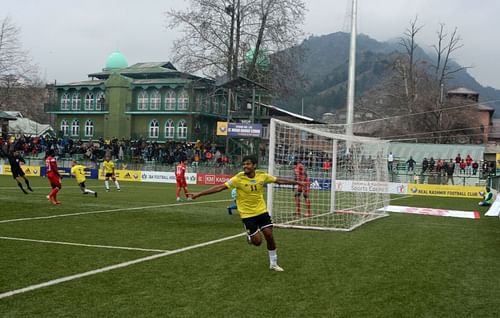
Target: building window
[
  {"x": 170, "y": 100},
  {"x": 154, "y": 129},
  {"x": 75, "y": 102},
  {"x": 64, "y": 127},
  {"x": 142, "y": 101},
  {"x": 169, "y": 129},
  {"x": 89, "y": 101},
  {"x": 265, "y": 132},
  {"x": 155, "y": 101},
  {"x": 182, "y": 129},
  {"x": 183, "y": 101},
  {"x": 89, "y": 128},
  {"x": 65, "y": 102},
  {"x": 75, "y": 128},
  {"x": 101, "y": 100}
]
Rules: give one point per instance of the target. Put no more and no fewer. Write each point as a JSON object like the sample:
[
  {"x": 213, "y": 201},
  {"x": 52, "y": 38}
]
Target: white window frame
[
  {"x": 89, "y": 101},
  {"x": 89, "y": 128},
  {"x": 182, "y": 129},
  {"x": 98, "y": 104},
  {"x": 154, "y": 129},
  {"x": 183, "y": 101},
  {"x": 169, "y": 129},
  {"x": 170, "y": 100},
  {"x": 75, "y": 102},
  {"x": 65, "y": 101},
  {"x": 155, "y": 102},
  {"x": 75, "y": 127},
  {"x": 65, "y": 127},
  {"x": 142, "y": 101}
]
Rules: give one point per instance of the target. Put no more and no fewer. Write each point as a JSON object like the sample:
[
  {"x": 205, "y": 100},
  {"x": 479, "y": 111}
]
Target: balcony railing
[{"x": 57, "y": 109}]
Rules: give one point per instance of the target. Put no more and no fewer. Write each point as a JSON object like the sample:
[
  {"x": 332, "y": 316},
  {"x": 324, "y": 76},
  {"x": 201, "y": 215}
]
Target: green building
[{"x": 152, "y": 101}]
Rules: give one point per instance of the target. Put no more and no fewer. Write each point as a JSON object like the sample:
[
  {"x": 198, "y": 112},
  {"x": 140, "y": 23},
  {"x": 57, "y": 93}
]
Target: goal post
[{"x": 345, "y": 177}]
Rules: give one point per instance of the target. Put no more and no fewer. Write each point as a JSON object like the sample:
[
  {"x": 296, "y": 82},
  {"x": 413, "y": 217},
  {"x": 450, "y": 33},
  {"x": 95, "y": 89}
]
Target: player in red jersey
[
  {"x": 180, "y": 178},
  {"x": 302, "y": 190},
  {"x": 53, "y": 176}
]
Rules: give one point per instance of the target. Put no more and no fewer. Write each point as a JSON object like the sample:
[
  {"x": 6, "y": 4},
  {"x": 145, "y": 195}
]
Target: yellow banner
[
  {"x": 30, "y": 171},
  {"x": 124, "y": 175},
  {"x": 498, "y": 161},
  {"x": 455, "y": 191},
  {"x": 222, "y": 128}
]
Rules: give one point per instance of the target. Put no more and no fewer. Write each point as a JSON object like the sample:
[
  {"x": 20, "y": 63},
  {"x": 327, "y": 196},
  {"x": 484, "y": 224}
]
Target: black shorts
[
  {"x": 17, "y": 173},
  {"x": 82, "y": 185},
  {"x": 254, "y": 223},
  {"x": 109, "y": 175}
]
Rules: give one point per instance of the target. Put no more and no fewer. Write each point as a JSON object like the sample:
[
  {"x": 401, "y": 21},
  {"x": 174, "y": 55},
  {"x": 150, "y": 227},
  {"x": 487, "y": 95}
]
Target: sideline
[
  {"x": 113, "y": 267},
  {"x": 111, "y": 210},
  {"x": 81, "y": 244}
]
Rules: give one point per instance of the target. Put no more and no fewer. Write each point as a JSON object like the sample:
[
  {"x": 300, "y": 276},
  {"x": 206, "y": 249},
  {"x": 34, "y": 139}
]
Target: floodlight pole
[{"x": 352, "y": 73}]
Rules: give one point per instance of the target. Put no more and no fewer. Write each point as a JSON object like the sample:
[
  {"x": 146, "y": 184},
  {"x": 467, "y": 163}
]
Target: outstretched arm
[{"x": 214, "y": 189}]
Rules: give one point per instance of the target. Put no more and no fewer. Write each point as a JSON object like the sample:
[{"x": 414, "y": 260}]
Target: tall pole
[{"x": 352, "y": 72}]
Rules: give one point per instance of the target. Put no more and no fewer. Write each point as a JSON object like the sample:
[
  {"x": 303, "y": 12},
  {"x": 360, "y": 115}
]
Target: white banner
[
  {"x": 371, "y": 186},
  {"x": 429, "y": 211},
  {"x": 165, "y": 177},
  {"x": 1, "y": 169}
]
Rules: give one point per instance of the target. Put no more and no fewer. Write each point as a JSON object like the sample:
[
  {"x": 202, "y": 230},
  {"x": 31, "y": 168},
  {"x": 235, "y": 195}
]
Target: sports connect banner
[
  {"x": 371, "y": 186},
  {"x": 124, "y": 175},
  {"x": 30, "y": 171},
  {"x": 438, "y": 190},
  {"x": 165, "y": 177}
]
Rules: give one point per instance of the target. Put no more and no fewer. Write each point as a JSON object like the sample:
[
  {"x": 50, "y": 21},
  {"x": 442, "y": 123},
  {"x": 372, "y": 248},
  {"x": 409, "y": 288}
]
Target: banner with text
[
  {"x": 165, "y": 177},
  {"x": 438, "y": 190},
  {"x": 371, "y": 186},
  {"x": 212, "y": 179},
  {"x": 240, "y": 130}
]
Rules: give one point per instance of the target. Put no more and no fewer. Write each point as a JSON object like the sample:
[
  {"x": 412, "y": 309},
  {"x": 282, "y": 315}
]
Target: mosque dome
[{"x": 115, "y": 61}]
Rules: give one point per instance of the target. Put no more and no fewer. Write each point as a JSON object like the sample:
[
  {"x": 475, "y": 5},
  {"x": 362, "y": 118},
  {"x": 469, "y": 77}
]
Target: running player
[
  {"x": 109, "y": 172},
  {"x": 180, "y": 180},
  {"x": 249, "y": 185},
  {"x": 79, "y": 172},
  {"x": 53, "y": 176},
  {"x": 15, "y": 161},
  {"x": 302, "y": 190}
]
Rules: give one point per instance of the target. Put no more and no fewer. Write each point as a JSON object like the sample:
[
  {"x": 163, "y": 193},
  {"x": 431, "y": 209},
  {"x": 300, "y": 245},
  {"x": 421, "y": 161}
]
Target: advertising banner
[
  {"x": 165, "y": 177},
  {"x": 371, "y": 186},
  {"x": 222, "y": 128},
  {"x": 438, "y": 190},
  {"x": 212, "y": 179},
  {"x": 30, "y": 171},
  {"x": 1, "y": 169},
  {"x": 65, "y": 172},
  {"x": 430, "y": 211},
  {"x": 124, "y": 175}
]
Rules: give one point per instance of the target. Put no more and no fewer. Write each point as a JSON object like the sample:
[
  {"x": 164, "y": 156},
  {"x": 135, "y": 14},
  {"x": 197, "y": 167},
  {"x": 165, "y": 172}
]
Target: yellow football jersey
[
  {"x": 109, "y": 166},
  {"x": 79, "y": 172},
  {"x": 250, "y": 192}
]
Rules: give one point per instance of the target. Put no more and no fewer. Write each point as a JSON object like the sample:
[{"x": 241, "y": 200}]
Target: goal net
[{"x": 345, "y": 176}]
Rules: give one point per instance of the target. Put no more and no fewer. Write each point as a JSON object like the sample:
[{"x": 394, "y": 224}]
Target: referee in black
[{"x": 17, "y": 172}]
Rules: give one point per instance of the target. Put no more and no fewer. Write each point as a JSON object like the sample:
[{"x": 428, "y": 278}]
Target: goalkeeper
[
  {"x": 233, "y": 204},
  {"x": 249, "y": 186}
]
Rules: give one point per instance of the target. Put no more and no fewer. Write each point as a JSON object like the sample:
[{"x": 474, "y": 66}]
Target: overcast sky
[{"x": 70, "y": 39}]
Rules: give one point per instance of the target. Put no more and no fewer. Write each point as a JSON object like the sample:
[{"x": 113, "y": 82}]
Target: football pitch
[{"x": 139, "y": 253}]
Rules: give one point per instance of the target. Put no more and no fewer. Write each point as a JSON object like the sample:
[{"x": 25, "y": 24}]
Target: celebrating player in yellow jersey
[
  {"x": 79, "y": 172},
  {"x": 249, "y": 186},
  {"x": 109, "y": 172}
]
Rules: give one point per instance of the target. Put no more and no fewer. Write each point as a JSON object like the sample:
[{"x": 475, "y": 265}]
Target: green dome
[
  {"x": 116, "y": 60},
  {"x": 262, "y": 59}
]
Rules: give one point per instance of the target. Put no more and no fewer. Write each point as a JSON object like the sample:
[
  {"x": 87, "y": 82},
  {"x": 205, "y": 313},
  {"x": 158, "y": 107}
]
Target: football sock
[
  {"x": 28, "y": 185},
  {"x": 89, "y": 191},
  {"x": 21, "y": 186},
  {"x": 273, "y": 257},
  {"x": 106, "y": 184},
  {"x": 117, "y": 185}
]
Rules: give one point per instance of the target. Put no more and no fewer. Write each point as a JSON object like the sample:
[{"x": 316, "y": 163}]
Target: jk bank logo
[{"x": 222, "y": 128}]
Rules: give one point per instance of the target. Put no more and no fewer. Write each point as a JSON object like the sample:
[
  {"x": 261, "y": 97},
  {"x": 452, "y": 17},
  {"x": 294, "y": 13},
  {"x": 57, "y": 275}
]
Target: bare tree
[
  {"x": 20, "y": 86},
  {"x": 218, "y": 33}
]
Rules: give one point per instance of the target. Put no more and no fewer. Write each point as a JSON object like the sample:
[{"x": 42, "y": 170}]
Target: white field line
[
  {"x": 111, "y": 210},
  {"x": 81, "y": 244},
  {"x": 113, "y": 267}
]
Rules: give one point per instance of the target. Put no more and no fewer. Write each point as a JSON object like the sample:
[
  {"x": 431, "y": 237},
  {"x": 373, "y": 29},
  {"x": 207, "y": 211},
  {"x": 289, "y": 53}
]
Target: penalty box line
[
  {"x": 110, "y": 210},
  {"x": 113, "y": 267},
  {"x": 81, "y": 244}
]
